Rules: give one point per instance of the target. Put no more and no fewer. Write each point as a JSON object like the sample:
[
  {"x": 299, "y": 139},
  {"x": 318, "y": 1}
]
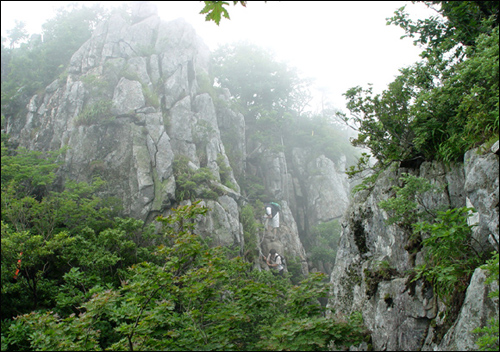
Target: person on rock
[
  {"x": 272, "y": 216},
  {"x": 275, "y": 262}
]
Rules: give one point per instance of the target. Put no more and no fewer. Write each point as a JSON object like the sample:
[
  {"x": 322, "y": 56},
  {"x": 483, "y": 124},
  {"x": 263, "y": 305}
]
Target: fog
[{"x": 339, "y": 44}]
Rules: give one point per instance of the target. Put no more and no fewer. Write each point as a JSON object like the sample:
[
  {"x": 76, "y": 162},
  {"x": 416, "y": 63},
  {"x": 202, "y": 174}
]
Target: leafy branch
[{"x": 215, "y": 9}]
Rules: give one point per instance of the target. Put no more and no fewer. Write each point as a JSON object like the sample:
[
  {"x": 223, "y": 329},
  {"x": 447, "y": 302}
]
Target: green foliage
[
  {"x": 383, "y": 121},
  {"x": 444, "y": 234},
  {"x": 326, "y": 237},
  {"x": 456, "y": 27},
  {"x": 450, "y": 255},
  {"x": 492, "y": 269},
  {"x": 367, "y": 182},
  {"x": 272, "y": 97},
  {"x": 224, "y": 172},
  {"x": 96, "y": 113},
  {"x": 463, "y": 112},
  {"x": 382, "y": 271},
  {"x": 205, "y": 82},
  {"x": 488, "y": 341},
  {"x": 26, "y": 172},
  {"x": 95, "y": 85},
  {"x": 304, "y": 328},
  {"x": 254, "y": 188},
  {"x": 18, "y": 33},
  {"x": 440, "y": 107},
  {"x": 67, "y": 241},
  {"x": 264, "y": 87},
  {"x": 319, "y": 136},
  {"x": 407, "y": 205},
  {"x": 150, "y": 96},
  {"x": 294, "y": 268},
  {"x": 215, "y": 9},
  {"x": 250, "y": 230},
  {"x": 191, "y": 183},
  {"x": 192, "y": 297},
  {"x": 89, "y": 281},
  {"x": 35, "y": 64}
]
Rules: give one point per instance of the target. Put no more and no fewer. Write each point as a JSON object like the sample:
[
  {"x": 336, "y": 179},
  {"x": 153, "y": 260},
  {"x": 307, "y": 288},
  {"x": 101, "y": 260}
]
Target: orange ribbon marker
[{"x": 18, "y": 266}]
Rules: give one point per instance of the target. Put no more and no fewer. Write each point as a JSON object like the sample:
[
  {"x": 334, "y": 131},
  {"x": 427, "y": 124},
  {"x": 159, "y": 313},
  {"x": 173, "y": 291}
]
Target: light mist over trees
[{"x": 92, "y": 280}]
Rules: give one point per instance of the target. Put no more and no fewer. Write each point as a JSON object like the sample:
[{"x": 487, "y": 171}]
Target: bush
[
  {"x": 325, "y": 238},
  {"x": 193, "y": 297}
]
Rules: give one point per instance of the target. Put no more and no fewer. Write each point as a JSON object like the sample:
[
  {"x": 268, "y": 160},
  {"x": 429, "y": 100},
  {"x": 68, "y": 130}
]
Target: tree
[
  {"x": 193, "y": 297},
  {"x": 17, "y": 34},
  {"x": 47, "y": 233},
  {"x": 257, "y": 80},
  {"x": 36, "y": 63},
  {"x": 456, "y": 27},
  {"x": 268, "y": 92},
  {"x": 442, "y": 106}
]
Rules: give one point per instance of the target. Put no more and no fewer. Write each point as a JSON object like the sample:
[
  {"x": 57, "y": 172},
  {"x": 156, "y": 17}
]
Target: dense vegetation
[
  {"x": 76, "y": 276},
  {"x": 445, "y": 104},
  {"x": 89, "y": 280}
]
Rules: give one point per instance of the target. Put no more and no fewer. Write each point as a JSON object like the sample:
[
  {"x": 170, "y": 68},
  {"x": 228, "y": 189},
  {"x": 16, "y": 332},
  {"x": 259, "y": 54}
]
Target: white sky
[{"x": 341, "y": 44}]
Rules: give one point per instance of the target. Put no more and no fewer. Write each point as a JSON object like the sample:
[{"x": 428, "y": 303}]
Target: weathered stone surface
[
  {"x": 476, "y": 311},
  {"x": 149, "y": 71},
  {"x": 392, "y": 330},
  {"x": 181, "y": 120},
  {"x": 404, "y": 316},
  {"x": 128, "y": 97},
  {"x": 320, "y": 189},
  {"x": 143, "y": 9},
  {"x": 222, "y": 224},
  {"x": 327, "y": 190},
  {"x": 133, "y": 146},
  {"x": 232, "y": 128},
  {"x": 482, "y": 192},
  {"x": 178, "y": 45}
]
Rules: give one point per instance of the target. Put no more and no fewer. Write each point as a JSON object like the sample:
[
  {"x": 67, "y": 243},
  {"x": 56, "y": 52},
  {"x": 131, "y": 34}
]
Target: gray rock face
[
  {"x": 320, "y": 188},
  {"x": 310, "y": 189},
  {"x": 476, "y": 310},
  {"x": 403, "y": 316},
  {"x": 132, "y": 103},
  {"x": 327, "y": 190},
  {"x": 482, "y": 193},
  {"x": 232, "y": 130},
  {"x": 223, "y": 226},
  {"x": 128, "y": 97}
]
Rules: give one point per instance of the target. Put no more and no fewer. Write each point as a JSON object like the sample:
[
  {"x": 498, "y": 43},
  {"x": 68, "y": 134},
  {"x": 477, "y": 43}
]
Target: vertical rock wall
[{"x": 403, "y": 316}]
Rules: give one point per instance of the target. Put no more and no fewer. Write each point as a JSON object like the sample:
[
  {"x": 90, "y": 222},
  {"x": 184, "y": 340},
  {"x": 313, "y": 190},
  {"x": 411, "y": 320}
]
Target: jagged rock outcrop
[
  {"x": 129, "y": 106},
  {"x": 403, "y": 316},
  {"x": 135, "y": 98},
  {"x": 320, "y": 188}
]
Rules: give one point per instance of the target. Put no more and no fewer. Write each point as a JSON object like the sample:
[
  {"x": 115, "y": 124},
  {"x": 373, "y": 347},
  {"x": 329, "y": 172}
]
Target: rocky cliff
[
  {"x": 409, "y": 317},
  {"x": 137, "y": 109}
]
